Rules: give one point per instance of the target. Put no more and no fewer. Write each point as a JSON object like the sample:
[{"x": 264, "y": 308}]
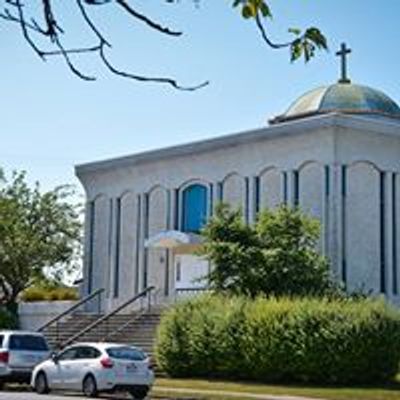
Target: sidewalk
[{"x": 259, "y": 396}]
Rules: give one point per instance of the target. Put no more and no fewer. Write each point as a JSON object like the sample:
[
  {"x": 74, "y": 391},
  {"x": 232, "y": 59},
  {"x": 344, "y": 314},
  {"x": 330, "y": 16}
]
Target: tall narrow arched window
[{"x": 194, "y": 208}]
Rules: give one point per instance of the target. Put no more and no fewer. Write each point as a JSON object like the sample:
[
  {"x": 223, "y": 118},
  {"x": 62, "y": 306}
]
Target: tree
[
  {"x": 40, "y": 20},
  {"x": 39, "y": 235},
  {"x": 275, "y": 256}
]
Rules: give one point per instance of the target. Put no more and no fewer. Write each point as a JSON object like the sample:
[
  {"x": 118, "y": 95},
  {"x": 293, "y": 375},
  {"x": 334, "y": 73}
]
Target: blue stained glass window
[{"x": 194, "y": 208}]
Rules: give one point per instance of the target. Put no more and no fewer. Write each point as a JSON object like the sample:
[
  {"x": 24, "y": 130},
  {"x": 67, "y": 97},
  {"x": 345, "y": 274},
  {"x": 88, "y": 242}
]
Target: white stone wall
[
  {"x": 157, "y": 222},
  {"x": 234, "y": 191},
  {"x": 128, "y": 235},
  {"x": 312, "y": 199},
  {"x": 34, "y": 315},
  {"x": 317, "y": 150},
  {"x": 271, "y": 188},
  {"x": 362, "y": 226}
]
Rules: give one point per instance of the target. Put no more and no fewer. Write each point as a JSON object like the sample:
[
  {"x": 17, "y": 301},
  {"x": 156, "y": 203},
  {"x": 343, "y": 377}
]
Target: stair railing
[
  {"x": 123, "y": 326},
  {"x": 145, "y": 294},
  {"x": 97, "y": 293}
]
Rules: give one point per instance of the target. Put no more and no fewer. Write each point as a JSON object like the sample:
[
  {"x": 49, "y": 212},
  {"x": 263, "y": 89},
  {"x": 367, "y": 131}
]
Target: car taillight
[
  {"x": 106, "y": 363},
  {"x": 151, "y": 363},
  {"x": 4, "y": 356}
]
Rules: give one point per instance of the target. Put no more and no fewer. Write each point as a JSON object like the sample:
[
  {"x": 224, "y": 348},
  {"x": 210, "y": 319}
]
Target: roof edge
[
  {"x": 229, "y": 140},
  {"x": 285, "y": 128}
]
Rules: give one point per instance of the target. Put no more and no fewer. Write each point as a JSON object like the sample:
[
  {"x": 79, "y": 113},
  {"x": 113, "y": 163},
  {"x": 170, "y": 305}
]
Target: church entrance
[{"x": 190, "y": 271}]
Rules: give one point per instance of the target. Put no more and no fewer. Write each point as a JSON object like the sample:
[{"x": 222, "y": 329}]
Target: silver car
[{"x": 20, "y": 351}]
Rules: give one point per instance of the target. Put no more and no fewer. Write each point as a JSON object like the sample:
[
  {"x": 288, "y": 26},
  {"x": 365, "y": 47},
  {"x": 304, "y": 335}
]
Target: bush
[
  {"x": 278, "y": 340},
  {"x": 276, "y": 256},
  {"x": 7, "y": 319},
  {"x": 38, "y": 293}
]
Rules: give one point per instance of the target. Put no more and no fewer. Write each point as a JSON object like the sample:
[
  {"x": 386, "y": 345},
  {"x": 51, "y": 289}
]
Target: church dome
[{"x": 342, "y": 97}]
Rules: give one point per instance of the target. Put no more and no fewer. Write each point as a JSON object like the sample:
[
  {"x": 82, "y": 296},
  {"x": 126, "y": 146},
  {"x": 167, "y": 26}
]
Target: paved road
[{"x": 27, "y": 395}]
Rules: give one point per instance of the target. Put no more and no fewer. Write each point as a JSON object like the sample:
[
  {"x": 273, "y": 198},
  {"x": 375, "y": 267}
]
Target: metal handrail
[
  {"x": 123, "y": 326},
  {"x": 100, "y": 320},
  {"x": 98, "y": 292}
]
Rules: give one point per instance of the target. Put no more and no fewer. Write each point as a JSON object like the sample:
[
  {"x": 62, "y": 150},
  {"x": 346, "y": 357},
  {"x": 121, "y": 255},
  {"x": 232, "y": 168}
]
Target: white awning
[{"x": 175, "y": 240}]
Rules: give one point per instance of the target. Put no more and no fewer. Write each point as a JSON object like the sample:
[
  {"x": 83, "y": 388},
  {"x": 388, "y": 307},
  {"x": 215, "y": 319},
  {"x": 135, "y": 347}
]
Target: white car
[
  {"x": 20, "y": 351},
  {"x": 96, "y": 367}
]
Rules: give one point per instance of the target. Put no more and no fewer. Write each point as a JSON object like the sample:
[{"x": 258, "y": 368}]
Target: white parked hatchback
[{"x": 96, "y": 367}]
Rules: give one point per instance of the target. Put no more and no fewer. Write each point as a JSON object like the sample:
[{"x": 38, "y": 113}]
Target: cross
[{"x": 343, "y": 52}]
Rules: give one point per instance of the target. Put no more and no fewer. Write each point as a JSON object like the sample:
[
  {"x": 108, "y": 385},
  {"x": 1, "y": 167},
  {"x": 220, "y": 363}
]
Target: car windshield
[
  {"x": 126, "y": 353},
  {"x": 28, "y": 342}
]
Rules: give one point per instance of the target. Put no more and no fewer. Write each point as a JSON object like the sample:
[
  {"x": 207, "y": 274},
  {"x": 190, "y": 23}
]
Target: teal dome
[{"x": 342, "y": 98}]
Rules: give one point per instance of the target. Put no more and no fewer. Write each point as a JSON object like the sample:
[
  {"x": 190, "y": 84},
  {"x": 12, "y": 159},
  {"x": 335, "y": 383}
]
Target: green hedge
[
  {"x": 7, "y": 319},
  {"x": 280, "y": 340}
]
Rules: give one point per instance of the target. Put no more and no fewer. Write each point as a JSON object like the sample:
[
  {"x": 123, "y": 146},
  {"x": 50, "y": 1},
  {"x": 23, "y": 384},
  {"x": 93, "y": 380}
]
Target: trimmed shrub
[
  {"x": 38, "y": 293},
  {"x": 278, "y": 340}
]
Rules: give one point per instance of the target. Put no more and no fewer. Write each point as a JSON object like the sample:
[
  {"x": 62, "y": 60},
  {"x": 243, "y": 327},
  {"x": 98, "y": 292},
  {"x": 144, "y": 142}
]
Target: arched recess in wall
[
  {"x": 396, "y": 233},
  {"x": 195, "y": 205},
  {"x": 311, "y": 188},
  {"x": 97, "y": 245},
  {"x": 310, "y": 191},
  {"x": 128, "y": 215},
  {"x": 362, "y": 226},
  {"x": 157, "y": 215},
  {"x": 234, "y": 191},
  {"x": 271, "y": 188}
]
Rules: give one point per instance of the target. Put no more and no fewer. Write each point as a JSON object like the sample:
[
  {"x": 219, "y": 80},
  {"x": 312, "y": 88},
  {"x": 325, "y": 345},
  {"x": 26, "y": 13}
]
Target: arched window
[{"x": 194, "y": 208}]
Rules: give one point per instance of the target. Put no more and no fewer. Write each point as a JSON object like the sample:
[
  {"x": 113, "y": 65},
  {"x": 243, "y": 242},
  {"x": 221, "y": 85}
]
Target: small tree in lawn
[
  {"x": 39, "y": 234},
  {"x": 276, "y": 256}
]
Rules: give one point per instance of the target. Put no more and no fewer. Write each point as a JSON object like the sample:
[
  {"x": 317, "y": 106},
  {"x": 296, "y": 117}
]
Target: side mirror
[{"x": 54, "y": 357}]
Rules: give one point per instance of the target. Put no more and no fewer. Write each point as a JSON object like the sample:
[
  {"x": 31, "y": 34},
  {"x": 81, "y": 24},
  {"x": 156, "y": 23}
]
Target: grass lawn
[{"x": 384, "y": 392}]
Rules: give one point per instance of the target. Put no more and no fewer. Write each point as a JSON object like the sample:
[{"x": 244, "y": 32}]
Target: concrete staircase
[{"x": 138, "y": 329}]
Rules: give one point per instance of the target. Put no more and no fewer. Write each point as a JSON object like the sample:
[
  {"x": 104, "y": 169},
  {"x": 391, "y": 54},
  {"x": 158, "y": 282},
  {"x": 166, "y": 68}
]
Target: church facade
[{"x": 335, "y": 153}]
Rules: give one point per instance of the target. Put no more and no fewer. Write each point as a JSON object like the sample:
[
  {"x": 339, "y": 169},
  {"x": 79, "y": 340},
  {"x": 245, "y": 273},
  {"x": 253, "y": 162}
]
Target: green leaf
[
  {"x": 296, "y": 50},
  {"x": 265, "y": 10},
  {"x": 295, "y": 31},
  {"x": 248, "y": 11}
]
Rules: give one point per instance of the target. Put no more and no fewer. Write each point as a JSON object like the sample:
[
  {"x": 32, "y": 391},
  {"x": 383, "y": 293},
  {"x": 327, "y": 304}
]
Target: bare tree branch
[
  {"x": 24, "y": 29},
  {"x": 90, "y": 23},
  {"x": 302, "y": 45},
  {"x": 130, "y": 10},
  {"x": 140, "y": 78},
  {"x": 52, "y": 31}
]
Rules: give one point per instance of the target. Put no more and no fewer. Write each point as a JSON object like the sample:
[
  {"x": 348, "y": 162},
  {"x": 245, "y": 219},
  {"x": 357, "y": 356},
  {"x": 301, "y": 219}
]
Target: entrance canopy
[{"x": 179, "y": 242}]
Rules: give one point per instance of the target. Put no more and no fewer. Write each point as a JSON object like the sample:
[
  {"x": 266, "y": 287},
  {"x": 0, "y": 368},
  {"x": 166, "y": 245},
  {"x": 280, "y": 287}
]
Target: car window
[
  {"x": 126, "y": 353},
  {"x": 69, "y": 354},
  {"x": 1, "y": 340},
  {"x": 87, "y": 352},
  {"x": 27, "y": 342}
]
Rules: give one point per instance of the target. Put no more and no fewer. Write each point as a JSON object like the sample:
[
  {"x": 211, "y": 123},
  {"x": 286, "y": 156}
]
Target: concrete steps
[{"x": 139, "y": 329}]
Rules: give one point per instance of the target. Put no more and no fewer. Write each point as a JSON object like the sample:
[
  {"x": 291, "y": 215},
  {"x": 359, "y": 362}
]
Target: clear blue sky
[{"x": 51, "y": 120}]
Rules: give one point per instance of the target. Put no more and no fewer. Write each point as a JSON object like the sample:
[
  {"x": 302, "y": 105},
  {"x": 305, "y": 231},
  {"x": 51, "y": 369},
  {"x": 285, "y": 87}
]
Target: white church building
[{"x": 335, "y": 152}]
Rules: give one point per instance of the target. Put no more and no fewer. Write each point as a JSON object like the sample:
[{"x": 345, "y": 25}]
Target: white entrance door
[{"x": 189, "y": 270}]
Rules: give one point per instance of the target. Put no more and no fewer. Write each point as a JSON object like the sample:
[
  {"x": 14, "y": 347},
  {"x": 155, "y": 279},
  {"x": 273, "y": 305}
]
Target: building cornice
[{"x": 359, "y": 123}]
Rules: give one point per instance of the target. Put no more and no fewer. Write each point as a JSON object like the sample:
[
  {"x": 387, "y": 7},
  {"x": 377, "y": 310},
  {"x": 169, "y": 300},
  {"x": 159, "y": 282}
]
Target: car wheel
[
  {"x": 139, "y": 394},
  {"x": 41, "y": 385},
  {"x": 89, "y": 386}
]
